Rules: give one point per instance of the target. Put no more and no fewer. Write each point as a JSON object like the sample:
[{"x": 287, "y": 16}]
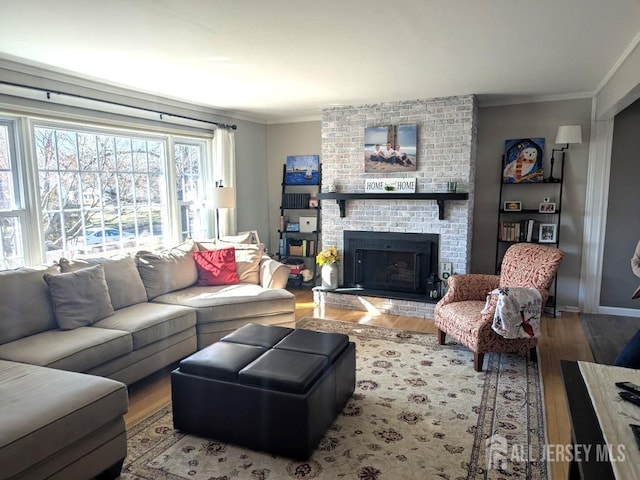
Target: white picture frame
[
  {"x": 547, "y": 207},
  {"x": 548, "y": 233}
]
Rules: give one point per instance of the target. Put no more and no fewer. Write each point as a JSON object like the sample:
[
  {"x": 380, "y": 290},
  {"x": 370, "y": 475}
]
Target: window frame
[
  {"x": 18, "y": 210},
  {"x": 26, "y": 173}
]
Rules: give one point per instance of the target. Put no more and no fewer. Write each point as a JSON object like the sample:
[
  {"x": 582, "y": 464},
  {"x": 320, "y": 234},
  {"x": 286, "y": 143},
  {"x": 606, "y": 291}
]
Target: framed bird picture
[{"x": 522, "y": 160}]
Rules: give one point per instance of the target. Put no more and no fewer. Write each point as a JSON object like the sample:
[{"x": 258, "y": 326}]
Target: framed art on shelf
[
  {"x": 547, "y": 207},
  {"x": 522, "y": 160},
  {"x": 302, "y": 170},
  {"x": 512, "y": 206},
  {"x": 548, "y": 233}
]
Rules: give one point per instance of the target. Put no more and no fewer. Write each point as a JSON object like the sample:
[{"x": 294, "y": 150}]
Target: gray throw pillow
[
  {"x": 168, "y": 270},
  {"x": 79, "y": 298},
  {"x": 120, "y": 272}
]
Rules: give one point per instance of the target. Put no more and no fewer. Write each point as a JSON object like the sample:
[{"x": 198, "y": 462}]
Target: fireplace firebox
[{"x": 398, "y": 263}]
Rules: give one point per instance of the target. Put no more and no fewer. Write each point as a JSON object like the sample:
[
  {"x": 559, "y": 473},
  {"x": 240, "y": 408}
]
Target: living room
[{"x": 597, "y": 232}]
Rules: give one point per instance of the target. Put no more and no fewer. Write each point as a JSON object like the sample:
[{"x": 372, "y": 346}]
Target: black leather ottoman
[{"x": 267, "y": 388}]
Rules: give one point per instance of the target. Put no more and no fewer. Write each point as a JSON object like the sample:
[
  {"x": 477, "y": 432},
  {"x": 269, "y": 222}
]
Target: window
[
  {"x": 100, "y": 191},
  {"x": 189, "y": 187},
  {"x": 12, "y": 213}
]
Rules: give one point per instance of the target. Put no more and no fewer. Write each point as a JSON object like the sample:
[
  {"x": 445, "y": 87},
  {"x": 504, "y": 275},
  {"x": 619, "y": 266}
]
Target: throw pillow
[
  {"x": 248, "y": 258},
  {"x": 23, "y": 314},
  {"x": 120, "y": 272},
  {"x": 79, "y": 298},
  {"x": 216, "y": 267},
  {"x": 167, "y": 271}
]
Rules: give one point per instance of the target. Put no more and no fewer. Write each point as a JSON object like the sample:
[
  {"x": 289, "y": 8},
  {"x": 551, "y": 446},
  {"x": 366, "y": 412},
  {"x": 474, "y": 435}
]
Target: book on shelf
[
  {"x": 296, "y": 200},
  {"x": 522, "y": 231}
]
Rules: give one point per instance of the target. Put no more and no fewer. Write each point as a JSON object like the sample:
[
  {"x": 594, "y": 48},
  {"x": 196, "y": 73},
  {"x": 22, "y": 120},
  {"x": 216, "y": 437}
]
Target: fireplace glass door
[{"x": 387, "y": 270}]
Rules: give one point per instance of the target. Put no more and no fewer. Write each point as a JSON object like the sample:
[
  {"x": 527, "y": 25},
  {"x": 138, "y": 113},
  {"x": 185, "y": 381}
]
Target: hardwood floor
[{"x": 562, "y": 339}]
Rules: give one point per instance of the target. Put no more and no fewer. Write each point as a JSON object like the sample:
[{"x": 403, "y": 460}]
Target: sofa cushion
[
  {"x": 79, "y": 298},
  {"x": 230, "y": 302},
  {"x": 150, "y": 322},
  {"x": 46, "y": 411},
  {"x": 124, "y": 282},
  {"x": 78, "y": 350},
  {"x": 168, "y": 270},
  {"x": 216, "y": 267},
  {"x": 25, "y": 305}
]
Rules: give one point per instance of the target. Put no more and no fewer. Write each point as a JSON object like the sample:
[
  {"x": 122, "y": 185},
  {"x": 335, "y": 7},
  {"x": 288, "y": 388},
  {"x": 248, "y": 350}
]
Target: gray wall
[
  {"x": 283, "y": 140},
  {"x": 495, "y": 125},
  {"x": 623, "y": 216}
]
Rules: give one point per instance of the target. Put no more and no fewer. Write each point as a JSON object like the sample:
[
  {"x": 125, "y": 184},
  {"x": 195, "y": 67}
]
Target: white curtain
[{"x": 224, "y": 168}]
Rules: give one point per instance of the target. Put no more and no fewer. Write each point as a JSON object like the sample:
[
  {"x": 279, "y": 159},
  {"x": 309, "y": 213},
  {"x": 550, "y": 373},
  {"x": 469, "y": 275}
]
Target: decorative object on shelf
[
  {"x": 390, "y": 185},
  {"x": 512, "y": 206},
  {"x": 567, "y": 134},
  {"x": 308, "y": 224},
  {"x": 452, "y": 187},
  {"x": 332, "y": 187},
  {"x": 293, "y": 227},
  {"x": 523, "y": 160},
  {"x": 390, "y": 148},
  {"x": 547, "y": 207},
  {"x": 302, "y": 170},
  {"x": 327, "y": 259},
  {"x": 548, "y": 233},
  {"x": 222, "y": 197}
]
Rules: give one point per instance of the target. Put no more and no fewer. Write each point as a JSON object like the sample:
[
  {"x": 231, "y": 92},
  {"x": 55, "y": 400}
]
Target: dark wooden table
[{"x": 585, "y": 429}]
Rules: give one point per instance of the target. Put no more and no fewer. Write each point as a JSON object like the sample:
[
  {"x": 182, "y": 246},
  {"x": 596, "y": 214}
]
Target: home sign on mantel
[{"x": 390, "y": 185}]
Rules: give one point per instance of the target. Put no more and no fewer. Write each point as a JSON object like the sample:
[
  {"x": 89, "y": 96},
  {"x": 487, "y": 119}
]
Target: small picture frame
[
  {"x": 547, "y": 207},
  {"x": 512, "y": 206},
  {"x": 548, "y": 233},
  {"x": 293, "y": 227}
]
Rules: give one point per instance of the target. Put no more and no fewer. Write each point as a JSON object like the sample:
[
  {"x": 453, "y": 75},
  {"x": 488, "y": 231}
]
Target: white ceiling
[{"x": 282, "y": 60}]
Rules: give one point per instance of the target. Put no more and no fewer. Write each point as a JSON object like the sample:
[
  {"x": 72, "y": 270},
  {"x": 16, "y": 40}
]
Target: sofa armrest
[
  {"x": 273, "y": 274},
  {"x": 471, "y": 286}
]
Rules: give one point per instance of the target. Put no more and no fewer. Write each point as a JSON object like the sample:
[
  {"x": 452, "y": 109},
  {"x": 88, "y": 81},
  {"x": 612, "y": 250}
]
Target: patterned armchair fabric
[{"x": 459, "y": 312}]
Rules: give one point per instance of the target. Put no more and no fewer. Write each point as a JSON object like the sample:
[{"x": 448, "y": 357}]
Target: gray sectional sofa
[{"x": 98, "y": 324}]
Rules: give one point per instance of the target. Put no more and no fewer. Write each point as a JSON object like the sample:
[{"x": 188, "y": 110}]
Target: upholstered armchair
[{"x": 460, "y": 312}]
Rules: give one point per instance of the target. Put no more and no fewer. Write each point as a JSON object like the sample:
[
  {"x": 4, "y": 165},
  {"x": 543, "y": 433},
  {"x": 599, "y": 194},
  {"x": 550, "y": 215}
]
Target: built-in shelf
[{"x": 440, "y": 198}]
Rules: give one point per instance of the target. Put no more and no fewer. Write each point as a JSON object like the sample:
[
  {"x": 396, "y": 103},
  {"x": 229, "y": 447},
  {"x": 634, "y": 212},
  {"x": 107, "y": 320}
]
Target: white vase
[{"x": 329, "y": 274}]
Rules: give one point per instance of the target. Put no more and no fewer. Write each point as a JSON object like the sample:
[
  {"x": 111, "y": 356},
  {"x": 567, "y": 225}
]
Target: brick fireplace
[{"x": 446, "y": 152}]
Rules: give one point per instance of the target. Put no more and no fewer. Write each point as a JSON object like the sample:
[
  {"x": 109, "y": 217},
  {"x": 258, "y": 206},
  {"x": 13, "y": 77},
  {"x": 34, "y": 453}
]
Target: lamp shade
[
  {"x": 569, "y": 134},
  {"x": 223, "y": 197}
]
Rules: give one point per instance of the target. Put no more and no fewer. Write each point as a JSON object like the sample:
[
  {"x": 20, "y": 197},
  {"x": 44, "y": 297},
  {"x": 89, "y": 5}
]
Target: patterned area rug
[{"x": 419, "y": 411}]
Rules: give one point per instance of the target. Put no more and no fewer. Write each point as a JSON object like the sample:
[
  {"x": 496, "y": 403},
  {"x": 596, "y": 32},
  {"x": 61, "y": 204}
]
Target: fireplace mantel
[{"x": 440, "y": 198}]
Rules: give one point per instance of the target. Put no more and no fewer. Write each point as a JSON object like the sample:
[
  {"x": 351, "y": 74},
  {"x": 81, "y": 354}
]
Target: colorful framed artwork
[
  {"x": 523, "y": 160},
  {"x": 390, "y": 148},
  {"x": 302, "y": 170}
]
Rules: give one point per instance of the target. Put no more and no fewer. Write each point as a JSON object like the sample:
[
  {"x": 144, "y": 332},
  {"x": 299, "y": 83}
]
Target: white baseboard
[{"x": 621, "y": 312}]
